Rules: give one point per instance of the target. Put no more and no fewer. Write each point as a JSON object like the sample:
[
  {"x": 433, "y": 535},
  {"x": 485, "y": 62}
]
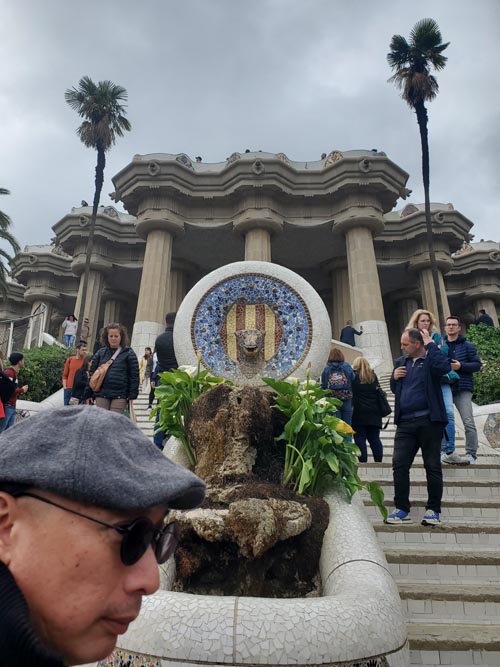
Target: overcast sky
[{"x": 210, "y": 77}]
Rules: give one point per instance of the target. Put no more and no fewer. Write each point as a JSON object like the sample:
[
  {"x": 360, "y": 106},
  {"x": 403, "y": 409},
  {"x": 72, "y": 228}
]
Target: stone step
[
  {"x": 464, "y": 508},
  {"x": 458, "y": 637},
  {"x": 449, "y": 658},
  {"x": 430, "y": 563},
  {"x": 448, "y": 534},
  {"x": 485, "y": 468},
  {"x": 452, "y": 489}
]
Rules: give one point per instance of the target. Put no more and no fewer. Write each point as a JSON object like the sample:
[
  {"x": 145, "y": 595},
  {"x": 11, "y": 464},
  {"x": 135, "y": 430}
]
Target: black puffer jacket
[
  {"x": 122, "y": 378},
  {"x": 365, "y": 404}
]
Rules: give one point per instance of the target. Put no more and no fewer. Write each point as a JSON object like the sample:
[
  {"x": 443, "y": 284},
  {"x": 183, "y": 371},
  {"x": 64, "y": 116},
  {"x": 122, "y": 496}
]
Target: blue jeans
[
  {"x": 9, "y": 419},
  {"x": 69, "y": 341},
  {"x": 67, "y": 396},
  {"x": 448, "y": 442},
  {"x": 344, "y": 411},
  {"x": 463, "y": 402}
]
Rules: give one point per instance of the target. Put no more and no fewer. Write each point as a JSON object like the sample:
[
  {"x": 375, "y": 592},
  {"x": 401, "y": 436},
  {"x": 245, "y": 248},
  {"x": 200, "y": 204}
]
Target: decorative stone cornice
[
  {"x": 167, "y": 176},
  {"x": 27, "y": 264},
  {"x": 74, "y": 227}
]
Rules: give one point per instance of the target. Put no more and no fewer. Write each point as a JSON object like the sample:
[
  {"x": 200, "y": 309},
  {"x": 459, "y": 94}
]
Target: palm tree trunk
[
  {"x": 99, "y": 180},
  {"x": 421, "y": 112}
]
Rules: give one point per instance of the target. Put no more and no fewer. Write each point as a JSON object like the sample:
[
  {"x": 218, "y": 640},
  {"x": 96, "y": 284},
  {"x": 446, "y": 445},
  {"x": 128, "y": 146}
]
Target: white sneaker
[
  {"x": 455, "y": 459},
  {"x": 470, "y": 459}
]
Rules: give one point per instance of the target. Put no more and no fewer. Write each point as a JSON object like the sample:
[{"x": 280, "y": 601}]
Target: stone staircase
[
  {"x": 142, "y": 414},
  {"x": 448, "y": 575}
]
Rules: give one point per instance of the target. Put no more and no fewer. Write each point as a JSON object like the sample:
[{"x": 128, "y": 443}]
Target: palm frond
[{"x": 100, "y": 105}]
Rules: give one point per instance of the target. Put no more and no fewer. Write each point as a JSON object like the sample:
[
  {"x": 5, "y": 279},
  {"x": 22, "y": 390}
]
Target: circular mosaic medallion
[{"x": 250, "y": 320}]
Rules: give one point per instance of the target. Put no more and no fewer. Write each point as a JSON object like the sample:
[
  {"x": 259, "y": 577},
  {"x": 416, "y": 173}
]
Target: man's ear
[{"x": 8, "y": 510}]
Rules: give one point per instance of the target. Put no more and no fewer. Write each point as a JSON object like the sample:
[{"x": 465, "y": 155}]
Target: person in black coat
[
  {"x": 81, "y": 392},
  {"x": 366, "y": 417},
  {"x": 121, "y": 383}
]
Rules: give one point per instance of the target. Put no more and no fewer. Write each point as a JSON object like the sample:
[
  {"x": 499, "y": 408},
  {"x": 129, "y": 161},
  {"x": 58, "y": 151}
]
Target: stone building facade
[{"x": 332, "y": 221}]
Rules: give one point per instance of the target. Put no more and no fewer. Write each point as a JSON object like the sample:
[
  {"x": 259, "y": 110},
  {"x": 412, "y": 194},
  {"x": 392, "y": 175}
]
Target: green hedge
[
  {"x": 43, "y": 368},
  {"x": 487, "y": 381}
]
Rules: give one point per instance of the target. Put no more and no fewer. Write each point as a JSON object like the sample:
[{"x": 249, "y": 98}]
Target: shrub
[
  {"x": 487, "y": 381},
  {"x": 42, "y": 371}
]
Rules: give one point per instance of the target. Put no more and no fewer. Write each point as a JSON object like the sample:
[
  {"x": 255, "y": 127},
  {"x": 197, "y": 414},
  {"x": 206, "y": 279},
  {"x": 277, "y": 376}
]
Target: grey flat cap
[{"x": 95, "y": 457}]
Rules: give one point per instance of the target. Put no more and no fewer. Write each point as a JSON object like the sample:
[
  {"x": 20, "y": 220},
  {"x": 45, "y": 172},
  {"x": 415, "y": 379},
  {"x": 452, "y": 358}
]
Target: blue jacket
[
  {"x": 435, "y": 365},
  {"x": 466, "y": 353}
]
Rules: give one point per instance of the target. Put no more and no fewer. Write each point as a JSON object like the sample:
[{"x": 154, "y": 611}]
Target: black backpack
[{"x": 7, "y": 387}]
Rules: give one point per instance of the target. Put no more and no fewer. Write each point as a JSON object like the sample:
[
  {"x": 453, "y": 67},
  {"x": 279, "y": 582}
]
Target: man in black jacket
[
  {"x": 164, "y": 349},
  {"x": 420, "y": 417},
  {"x": 81, "y": 532}
]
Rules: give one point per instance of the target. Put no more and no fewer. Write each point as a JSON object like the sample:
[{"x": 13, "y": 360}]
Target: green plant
[
  {"x": 176, "y": 393},
  {"x": 487, "y": 381},
  {"x": 319, "y": 450},
  {"x": 43, "y": 369}
]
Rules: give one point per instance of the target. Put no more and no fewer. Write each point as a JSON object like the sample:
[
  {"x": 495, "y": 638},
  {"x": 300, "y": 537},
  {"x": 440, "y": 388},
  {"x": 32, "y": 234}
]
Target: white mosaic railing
[{"x": 358, "y": 620}]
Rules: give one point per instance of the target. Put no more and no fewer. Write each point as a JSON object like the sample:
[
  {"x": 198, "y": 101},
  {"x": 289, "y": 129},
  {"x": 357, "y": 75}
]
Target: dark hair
[
  {"x": 415, "y": 336},
  {"x": 71, "y": 315},
  {"x": 87, "y": 361},
  {"x": 454, "y": 317},
  {"x": 121, "y": 329},
  {"x": 335, "y": 355},
  {"x": 15, "y": 358},
  {"x": 81, "y": 344},
  {"x": 170, "y": 318},
  {"x": 482, "y": 310}
]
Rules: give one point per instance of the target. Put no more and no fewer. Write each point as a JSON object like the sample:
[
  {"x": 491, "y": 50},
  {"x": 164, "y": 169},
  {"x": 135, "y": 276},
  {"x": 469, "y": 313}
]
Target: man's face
[
  {"x": 453, "y": 328},
  {"x": 80, "y": 595},
  {"x": 81, "y": 352},
  {"x": 410, "y": 348}
]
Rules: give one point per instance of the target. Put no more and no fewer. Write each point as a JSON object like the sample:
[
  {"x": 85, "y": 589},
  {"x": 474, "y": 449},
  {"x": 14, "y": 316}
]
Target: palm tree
[
  {"x": 100, "y": 105},
  {"x": 411, "y": 63},
  {"x": 5, "y": 235}
]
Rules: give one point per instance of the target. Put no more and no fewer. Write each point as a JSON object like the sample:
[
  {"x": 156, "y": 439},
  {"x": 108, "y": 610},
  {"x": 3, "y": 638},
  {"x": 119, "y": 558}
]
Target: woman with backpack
[
  {"x": 337, "y": 376},
  {"x": 366, "y": 417}
]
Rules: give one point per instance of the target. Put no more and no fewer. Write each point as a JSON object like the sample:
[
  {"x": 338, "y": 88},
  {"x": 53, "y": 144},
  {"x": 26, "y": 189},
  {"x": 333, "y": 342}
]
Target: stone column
[
  {"x": 178, "y": 282},
  {"x": 489, "y": 306},
  {"x": 258, "y": 226},
  {"x": 155, "y": 290},
  {"x": 38, "y": 324},
  {"x": 341, "y": 302},
  {"x": 429, "y": 301},
  {"x": 405, "y": 309},
  {"x": 112, "y": 311},
  {"x": 359, "y": 221},
  {"x": 93, "y": 301}
]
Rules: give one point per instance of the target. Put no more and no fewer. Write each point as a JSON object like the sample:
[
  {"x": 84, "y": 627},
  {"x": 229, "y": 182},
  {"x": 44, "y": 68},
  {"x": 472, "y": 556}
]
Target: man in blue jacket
[
  {"x": 465, "y": 361},
  {"x": 420, "y": 417}
]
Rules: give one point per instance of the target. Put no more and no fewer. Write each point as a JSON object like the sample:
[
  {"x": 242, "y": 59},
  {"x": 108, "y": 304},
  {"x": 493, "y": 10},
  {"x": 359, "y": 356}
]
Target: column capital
[
  {"x": 422, "y": 261},
  {"x": 258, "y": 218},
  {"x": 166, "y": 221},
  {"x": 479, "y": 292},
  {"x": 359, "y": 216},
  {"x": 42, "y": 293}
]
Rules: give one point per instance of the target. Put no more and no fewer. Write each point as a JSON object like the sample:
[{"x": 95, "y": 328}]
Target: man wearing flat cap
[{"x": 84, "y": 501}]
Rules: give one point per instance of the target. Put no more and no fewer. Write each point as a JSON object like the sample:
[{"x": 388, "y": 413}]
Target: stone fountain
[{"x": 246, "y": 321}]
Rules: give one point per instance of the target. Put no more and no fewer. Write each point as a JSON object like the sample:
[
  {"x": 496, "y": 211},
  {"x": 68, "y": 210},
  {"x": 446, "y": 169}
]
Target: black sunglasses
[{"x": 137, "y": 536}]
